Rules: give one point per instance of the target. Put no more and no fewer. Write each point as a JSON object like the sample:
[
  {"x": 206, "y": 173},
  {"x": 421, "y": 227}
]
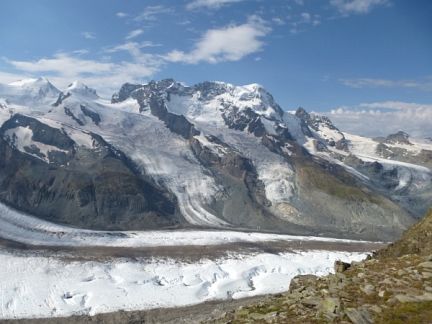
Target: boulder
[
  {"x": 300, "y": 282},
  {"x": 340, "y": 266}
]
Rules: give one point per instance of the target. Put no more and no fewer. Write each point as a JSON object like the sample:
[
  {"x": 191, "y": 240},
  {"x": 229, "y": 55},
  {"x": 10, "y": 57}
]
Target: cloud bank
[
  {"x": 384, "y": 118},
  {"x": 347, "y": 7}
]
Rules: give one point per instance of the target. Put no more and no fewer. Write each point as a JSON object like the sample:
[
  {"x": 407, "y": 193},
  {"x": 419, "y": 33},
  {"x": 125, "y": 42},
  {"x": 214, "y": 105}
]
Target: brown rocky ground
[
  {"x": 394, "y": 286},
  {"x": 395, "y": 290}
]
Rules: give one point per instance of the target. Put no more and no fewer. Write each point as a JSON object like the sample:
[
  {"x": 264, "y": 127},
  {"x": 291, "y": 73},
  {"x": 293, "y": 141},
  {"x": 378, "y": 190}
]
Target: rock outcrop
[{"x": 393, "y": 286}]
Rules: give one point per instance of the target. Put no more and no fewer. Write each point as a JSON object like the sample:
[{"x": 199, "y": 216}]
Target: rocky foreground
[{"x": 393, "y": 286}]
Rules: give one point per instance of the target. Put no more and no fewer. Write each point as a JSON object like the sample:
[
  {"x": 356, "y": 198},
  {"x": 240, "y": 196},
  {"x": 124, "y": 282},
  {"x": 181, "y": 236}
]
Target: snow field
[{"x": 37, "y": 286}]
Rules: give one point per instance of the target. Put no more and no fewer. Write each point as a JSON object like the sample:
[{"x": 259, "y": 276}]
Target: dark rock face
[
  {"x": 386, "y": 179},
  {"x": 387, "y": 151},
  {"x": 239, "y": 120},
  {"x": 71, "y": 115},
  {"x": 399, "y": 137},
  {"x": 342, "y": 144},
  {"x": 99, "y": 188},
  {"x": 91, "y": 114},
  {"x": 61, "y": 98},
  {"x": 210, "y": 89},
  {"x": 151, "y": 96},
  {"x": 124, "y": 92},
  {"x": 41, "y": 132},
  {"x": 176, "y": 123},
  {"x": 314, "y": 122},
  {"x": 234, "y": 165},
  {"x": 303, "y": 114}
]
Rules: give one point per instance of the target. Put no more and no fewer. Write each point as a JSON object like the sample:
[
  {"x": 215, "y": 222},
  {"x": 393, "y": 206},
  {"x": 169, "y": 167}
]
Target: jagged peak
[
  {"x": 302, "y": 113},
  {"x": 254, "y": 95},
  {"x": 313, "y": 119}
]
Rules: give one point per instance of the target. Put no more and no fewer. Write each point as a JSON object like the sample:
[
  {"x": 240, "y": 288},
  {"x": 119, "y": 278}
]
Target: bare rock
[
  {"x": 311, "y": 302},
  {"x": 300, "y": 282},
  {"x": 427, "y": 264},
  {"x": 412, "y": 298},
  {"x": 340, "y": 266},
  {"x": 359, "y": 316},
  {"x": 329, "y": 307},
  {"x": 368, "y": 289}
]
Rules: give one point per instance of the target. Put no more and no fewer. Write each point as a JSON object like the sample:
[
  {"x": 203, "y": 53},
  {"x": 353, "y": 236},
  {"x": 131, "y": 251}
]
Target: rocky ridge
[{"x": 218, "y": 155}]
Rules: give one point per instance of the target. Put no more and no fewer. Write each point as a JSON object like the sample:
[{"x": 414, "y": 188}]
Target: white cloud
[
  {"x": 384, "y": 118},
  {"x": 134, "y": 49},
  {"x": 424, "y": 84},
  {"x": 278, "y": 21},
  {"x": 347, "y": 7},
  {"x": 230, "y": 43},
  {"x": 306, "y": 17},
  {"x": 62, "y": 63},
  {"x": 304, "y": 20},
  {"x": 88, "y": 35},
  {"x": 81, "y": 51},
  {"x": 209, "y": 4},
  {"x": 106, "y": 77},
  {"x": 121, "y": 14},
  {"x": 134, "y": 33},
  {"x": 150, "y": 13},
  {"x": 6, "y": 77}
]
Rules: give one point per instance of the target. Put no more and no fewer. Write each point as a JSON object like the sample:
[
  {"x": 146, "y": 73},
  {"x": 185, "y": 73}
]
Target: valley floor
[
  {"x": 49, "y": 270},
  {"x": 53, "y": 282}
]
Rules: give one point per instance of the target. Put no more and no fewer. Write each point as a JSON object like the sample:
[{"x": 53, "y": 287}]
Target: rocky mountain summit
[
  {"x": 211, "y": 155},
  {"x": 393, "y": 286}
]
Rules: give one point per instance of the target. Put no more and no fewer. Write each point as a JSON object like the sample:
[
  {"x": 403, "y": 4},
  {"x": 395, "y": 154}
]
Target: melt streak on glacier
[{"x": 30, "y": 230}]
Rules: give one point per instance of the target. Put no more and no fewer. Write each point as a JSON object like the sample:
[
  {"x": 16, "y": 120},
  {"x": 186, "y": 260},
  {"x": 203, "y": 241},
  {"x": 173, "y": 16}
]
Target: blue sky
[{"x": 324, "y": 55}]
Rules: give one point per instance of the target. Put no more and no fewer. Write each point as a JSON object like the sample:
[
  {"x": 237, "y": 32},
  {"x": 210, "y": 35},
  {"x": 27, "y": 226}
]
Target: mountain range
[{"x": 212, "y": 155}]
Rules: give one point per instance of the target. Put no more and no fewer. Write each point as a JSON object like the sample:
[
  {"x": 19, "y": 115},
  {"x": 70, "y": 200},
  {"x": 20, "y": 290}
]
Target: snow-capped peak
[
  {"x": 81, "y": 89},
  {"x": 206, "y": 97},
  {"x": 30, "y": 82},
  {"x": 39, "y": 85},
  {"x": 29, "y": 91}
]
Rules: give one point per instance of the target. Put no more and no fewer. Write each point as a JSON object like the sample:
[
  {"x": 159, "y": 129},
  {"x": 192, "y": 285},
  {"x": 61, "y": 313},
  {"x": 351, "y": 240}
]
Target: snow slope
[{"x": 37, "y": 286}]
